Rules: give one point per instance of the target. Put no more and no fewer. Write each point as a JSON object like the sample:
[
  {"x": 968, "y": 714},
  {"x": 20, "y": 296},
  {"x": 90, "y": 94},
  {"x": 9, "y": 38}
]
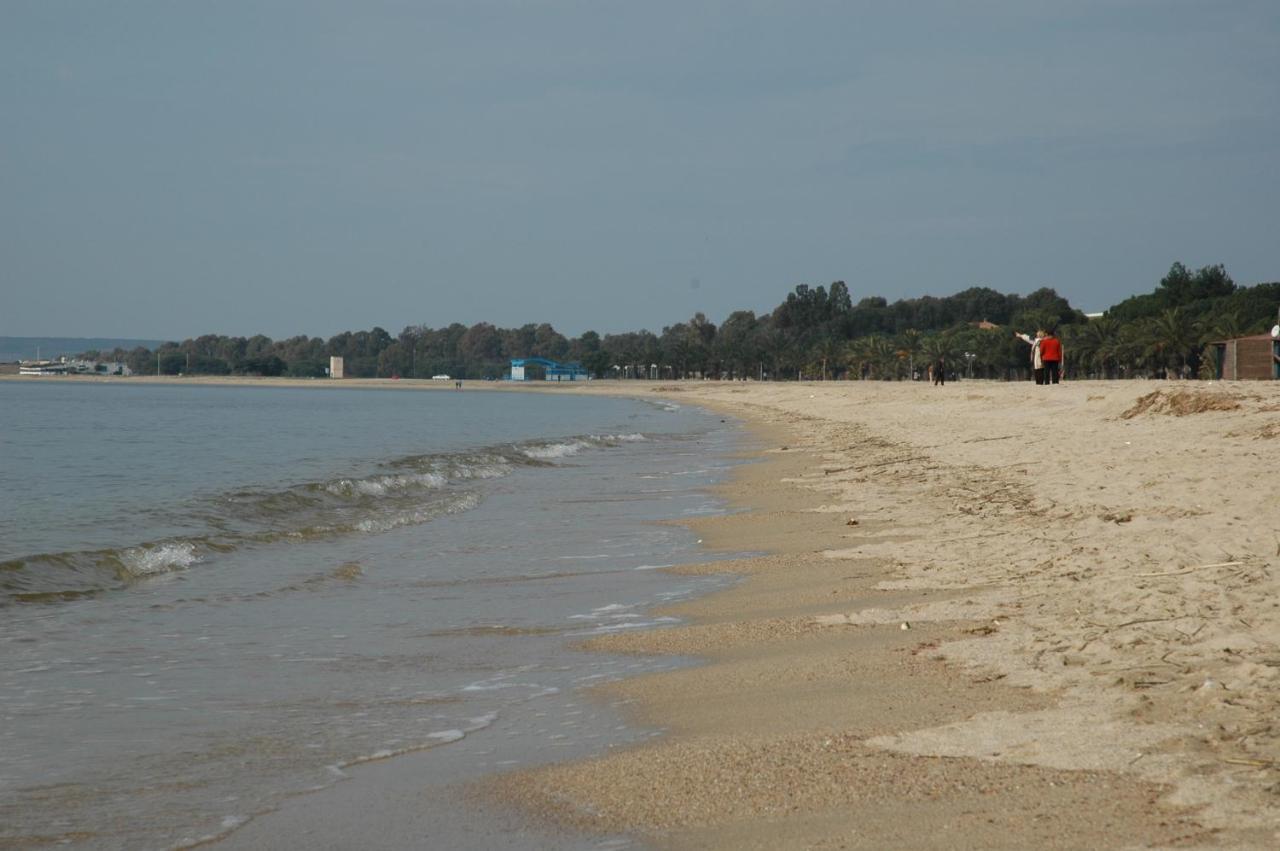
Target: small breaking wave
[
  {"x": 556, "y": 450},
  {"x": 383, "y": 485},
  {"x": 151, "y": 560},
  {"x": 465, "y": 502},
  {"x": 549, "y": 451},
  {"x": 53, "y": 577},
  {"x": 405, "y": 491},
  {"x": 432, "y": 740}
]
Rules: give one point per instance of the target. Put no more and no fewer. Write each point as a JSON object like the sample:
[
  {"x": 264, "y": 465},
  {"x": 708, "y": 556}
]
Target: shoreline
[
  {"x": 988, "y": 616},
  {"x": 1026, "y": 640}
]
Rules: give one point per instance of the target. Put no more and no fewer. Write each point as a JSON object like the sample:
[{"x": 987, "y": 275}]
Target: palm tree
[
  {"x": 1129, "y": 347},
  {"x": 859, "y": 356},
  {"x": 1225, "y": 326},
  {"x": 937, "y": 346},
  {"x": 1092, "y": 345},
  {"x": 909, "y": 342},
  {"x": 875, "y": 353},
  {"x": 826, "y": 350},
  {"x": 854, "y": 356},
  {"x": 991, "y": 349},
  {"x": 1173, "y": 334}
]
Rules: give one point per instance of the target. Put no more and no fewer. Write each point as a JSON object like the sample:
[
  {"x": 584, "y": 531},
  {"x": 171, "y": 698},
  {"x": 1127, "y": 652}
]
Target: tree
[
  {"x": 1173, "y": 336},
  {"x": 480, "y": 344},
  {"x": 1211, "y": 282},
  {"x": 1226, "y": 325},
  {"x": 1055, "y": 309},
  {"x": 264, "y": 365},
  {"x": 826, "y": 350},
  {"x": 736, "y": 344},
  {"x": 1092, "y": 347},
  {"x": 395, "y": 360},
  {"x": 977, "y": 304},
  {"x": 1176, "y": 287},
  {"x": 909, "y": 349},
  {"x": 874, "y": 356},
  {"x": 549, "y": 343},
  {"x": 936, "y": 346}
]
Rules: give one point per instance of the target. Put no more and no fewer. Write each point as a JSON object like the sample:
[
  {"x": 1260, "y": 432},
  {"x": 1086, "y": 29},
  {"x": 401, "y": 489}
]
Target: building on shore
[
  {"x": 335, "y": 367},
  {"x": 552, "y": 370},
  {"x": 1256, "y": 357},
  {"x": 72, "y": 366},
  {"x": 42, "y": 367}
]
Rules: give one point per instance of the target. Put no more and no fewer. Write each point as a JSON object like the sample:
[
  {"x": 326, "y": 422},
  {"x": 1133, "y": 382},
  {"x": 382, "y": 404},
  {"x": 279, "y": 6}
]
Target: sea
[{"x": 216, "y": 601}]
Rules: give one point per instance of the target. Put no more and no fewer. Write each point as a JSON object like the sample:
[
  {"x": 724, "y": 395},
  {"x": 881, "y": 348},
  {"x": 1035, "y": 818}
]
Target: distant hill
[{"x": 25, "y": 348}]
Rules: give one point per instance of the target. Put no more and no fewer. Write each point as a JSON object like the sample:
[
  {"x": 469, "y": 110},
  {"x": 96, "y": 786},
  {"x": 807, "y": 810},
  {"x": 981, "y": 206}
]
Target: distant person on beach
[
  {"x": 1037, "y": 363},
  {"x": 940, "y": 371},
  {"x": 1051, "y": 357}
]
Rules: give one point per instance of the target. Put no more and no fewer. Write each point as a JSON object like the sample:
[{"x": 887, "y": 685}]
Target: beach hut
[{"x": 1255, "y": 357}]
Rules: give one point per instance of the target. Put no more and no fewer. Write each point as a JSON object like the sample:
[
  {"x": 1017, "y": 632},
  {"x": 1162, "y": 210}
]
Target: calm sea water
[{"x": 214, "y": 599}]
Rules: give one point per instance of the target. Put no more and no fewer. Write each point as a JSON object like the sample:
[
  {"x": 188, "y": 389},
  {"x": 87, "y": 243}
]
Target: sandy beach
[
  {"x": 984, "y": 615},
  {"x": 988, "y": 615}
]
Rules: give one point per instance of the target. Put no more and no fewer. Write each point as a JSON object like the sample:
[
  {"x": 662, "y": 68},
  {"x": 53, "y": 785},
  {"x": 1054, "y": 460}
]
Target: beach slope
[{"x": 988, "y": 616}]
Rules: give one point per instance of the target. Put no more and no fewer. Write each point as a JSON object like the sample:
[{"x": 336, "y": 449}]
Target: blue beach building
[{"x": 553, "y": 370}]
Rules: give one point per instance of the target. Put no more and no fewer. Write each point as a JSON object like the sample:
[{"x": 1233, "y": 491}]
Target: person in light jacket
[{"x": 1037, "y": 362}]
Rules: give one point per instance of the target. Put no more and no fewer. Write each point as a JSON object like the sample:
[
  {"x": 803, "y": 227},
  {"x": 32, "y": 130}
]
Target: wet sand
[{"x": 989, "y": 616}]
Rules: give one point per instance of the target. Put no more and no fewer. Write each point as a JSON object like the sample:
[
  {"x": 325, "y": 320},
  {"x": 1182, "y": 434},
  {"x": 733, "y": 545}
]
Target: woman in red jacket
[{"x": 1051, "y": 355}]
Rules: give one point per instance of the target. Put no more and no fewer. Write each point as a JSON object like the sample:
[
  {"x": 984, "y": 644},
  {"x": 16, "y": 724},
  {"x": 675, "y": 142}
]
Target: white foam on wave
[
  {"x": 383, "y": 485},
  {"x": 536, "y": 689},
  {"x": 552, "y": 451},
  {"x": 610, "y": 617},
  {"x": 162, "y": 558},
  {"x": 634, "y": 437},
  {"x": 606, "y": 628},
  {"x": 480, "y": 722},
  {"x": 432, "y": 740},
  {"x": 466, "y": 502},
  {"x": 567, "y": 448},
  {"x": 446, "y": 736},
  {"x": 227, "y": 826},
  {"x": 491, "y": 469}
]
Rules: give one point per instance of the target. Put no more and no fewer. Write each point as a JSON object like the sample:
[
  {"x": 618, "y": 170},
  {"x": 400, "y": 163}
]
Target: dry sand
[{"x": 991, "y": 616}]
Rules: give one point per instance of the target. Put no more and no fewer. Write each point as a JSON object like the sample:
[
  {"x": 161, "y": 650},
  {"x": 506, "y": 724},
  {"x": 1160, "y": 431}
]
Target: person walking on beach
[
  {"x": 940, "y": 371},
  {"x": 1051, "y": 357},
  {"x": 1037, "y": 362}
]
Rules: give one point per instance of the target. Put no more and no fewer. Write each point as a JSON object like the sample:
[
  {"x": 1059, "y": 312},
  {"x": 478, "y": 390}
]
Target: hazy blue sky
[{"x": 175, "y": 168}]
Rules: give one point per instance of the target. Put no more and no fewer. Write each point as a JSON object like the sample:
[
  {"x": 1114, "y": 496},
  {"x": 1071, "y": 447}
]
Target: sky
[{"x": 169, "y": 169}]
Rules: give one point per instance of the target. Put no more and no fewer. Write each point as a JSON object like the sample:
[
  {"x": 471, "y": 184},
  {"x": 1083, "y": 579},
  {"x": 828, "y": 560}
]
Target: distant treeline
[{"x": 816, "y": 332}]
